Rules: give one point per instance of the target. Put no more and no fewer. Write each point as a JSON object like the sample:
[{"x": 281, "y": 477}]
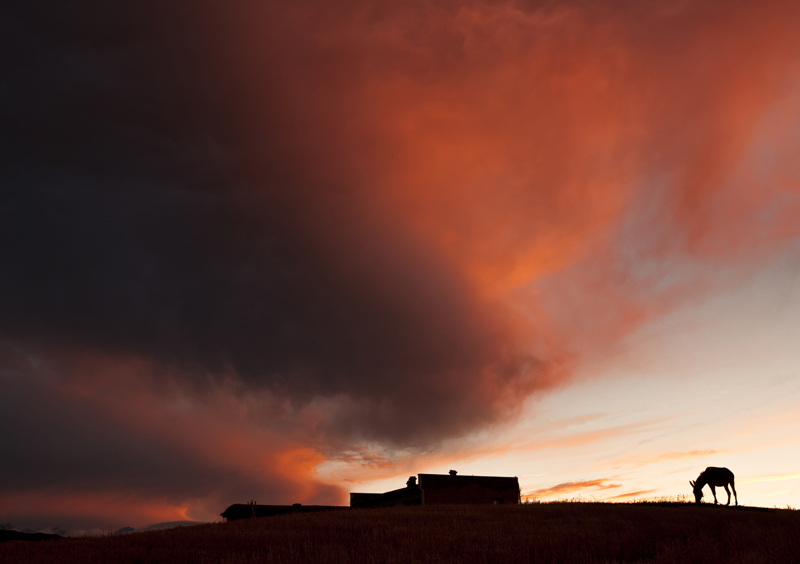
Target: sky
[{"x": 287, "y": 250}]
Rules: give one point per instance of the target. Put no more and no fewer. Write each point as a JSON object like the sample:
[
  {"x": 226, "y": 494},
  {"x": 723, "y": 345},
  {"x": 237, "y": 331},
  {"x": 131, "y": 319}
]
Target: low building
[
  {"x": 439, "y": 489},
  {"x": 252, "y": 510}
]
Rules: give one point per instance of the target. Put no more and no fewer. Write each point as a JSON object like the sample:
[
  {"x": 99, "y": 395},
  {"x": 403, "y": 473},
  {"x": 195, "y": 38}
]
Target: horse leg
[
  {"x": 714, "y": 493},
  {"x": 729, "y": 494},
  {"x": 733, "y": 487}
]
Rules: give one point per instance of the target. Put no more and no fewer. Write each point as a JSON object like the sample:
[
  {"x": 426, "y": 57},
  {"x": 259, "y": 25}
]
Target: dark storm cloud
[
  {"x": 49, "y": 443},
  {"x": 57, "y": 438},
  {"x": 172, "y": 192},
  {"x": 308, "y": 223},
  {"x": 80, "y": 457}
]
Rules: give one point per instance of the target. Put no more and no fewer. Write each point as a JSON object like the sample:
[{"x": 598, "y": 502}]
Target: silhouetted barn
[
  {"x": 248, "y": 511},
  {"x": 438, "y": 489}
]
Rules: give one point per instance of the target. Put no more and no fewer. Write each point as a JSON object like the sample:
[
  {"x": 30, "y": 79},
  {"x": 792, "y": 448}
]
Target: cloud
[
  {"x": 137, "y": 457},
  {"x": 331, "y": 206},
  {"x": 571, "y": 487},
  {"x": 138, "y": 231},
  {"x": 317, "y": 226},
  {"x": 638, "y": 493}
]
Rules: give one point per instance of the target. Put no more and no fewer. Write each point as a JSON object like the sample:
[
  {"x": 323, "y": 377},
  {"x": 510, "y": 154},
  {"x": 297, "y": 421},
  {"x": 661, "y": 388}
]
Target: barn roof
[{"x": 499, "y": 483}]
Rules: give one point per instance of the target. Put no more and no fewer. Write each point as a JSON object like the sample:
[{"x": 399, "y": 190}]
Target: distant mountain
[
  {"x": 8, "y": 535},
  {"x": 8, "y": 532}
]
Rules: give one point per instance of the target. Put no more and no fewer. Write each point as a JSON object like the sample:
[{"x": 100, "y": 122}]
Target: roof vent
[{"x": 453, "y": 472}]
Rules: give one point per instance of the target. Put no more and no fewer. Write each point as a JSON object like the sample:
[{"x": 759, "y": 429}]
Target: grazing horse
[{"x": 714, "y": 477}]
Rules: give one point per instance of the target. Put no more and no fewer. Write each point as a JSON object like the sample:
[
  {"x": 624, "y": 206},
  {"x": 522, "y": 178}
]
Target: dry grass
[{"x": 542, "y": 532}]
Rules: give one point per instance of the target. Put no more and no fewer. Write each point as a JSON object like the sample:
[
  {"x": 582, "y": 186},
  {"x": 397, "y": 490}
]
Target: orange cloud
[
  {"x": 95, "y": 509},
  {"x": 140, "y": 455},
  {"x": 638, "y": 493},
  {"x": 354, "y": 467},
  {"x": 398, "y": 222},
  {"x": 595, "y": 153},
  {"x": 571, "y": 487}
]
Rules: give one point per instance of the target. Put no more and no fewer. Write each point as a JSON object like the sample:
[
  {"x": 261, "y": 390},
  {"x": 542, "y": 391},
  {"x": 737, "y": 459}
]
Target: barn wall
[
  {"x": 403, "y": 496},
  {"x": 470, "y": 494}
]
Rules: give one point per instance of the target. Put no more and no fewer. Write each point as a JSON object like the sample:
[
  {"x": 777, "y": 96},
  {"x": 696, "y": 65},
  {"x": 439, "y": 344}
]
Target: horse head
[{"x": 698, "y": 491}]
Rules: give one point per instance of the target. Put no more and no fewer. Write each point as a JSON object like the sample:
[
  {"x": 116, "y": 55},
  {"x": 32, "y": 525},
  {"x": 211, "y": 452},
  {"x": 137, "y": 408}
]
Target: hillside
[{"x": 553, "y": 532}]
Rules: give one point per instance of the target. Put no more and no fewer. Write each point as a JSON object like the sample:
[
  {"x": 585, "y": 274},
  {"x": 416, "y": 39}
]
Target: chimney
[
  {"x": 412, "y": 482},
  {"x": 453, "y": 472}
]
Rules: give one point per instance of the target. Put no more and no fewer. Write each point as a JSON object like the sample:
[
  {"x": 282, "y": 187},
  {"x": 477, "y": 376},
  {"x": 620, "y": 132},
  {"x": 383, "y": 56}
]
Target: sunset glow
[{"x": 287, "y": 250}]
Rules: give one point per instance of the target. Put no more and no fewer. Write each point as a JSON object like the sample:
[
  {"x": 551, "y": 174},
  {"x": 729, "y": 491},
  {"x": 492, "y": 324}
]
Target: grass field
[{"x": 547, "y": 532}]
